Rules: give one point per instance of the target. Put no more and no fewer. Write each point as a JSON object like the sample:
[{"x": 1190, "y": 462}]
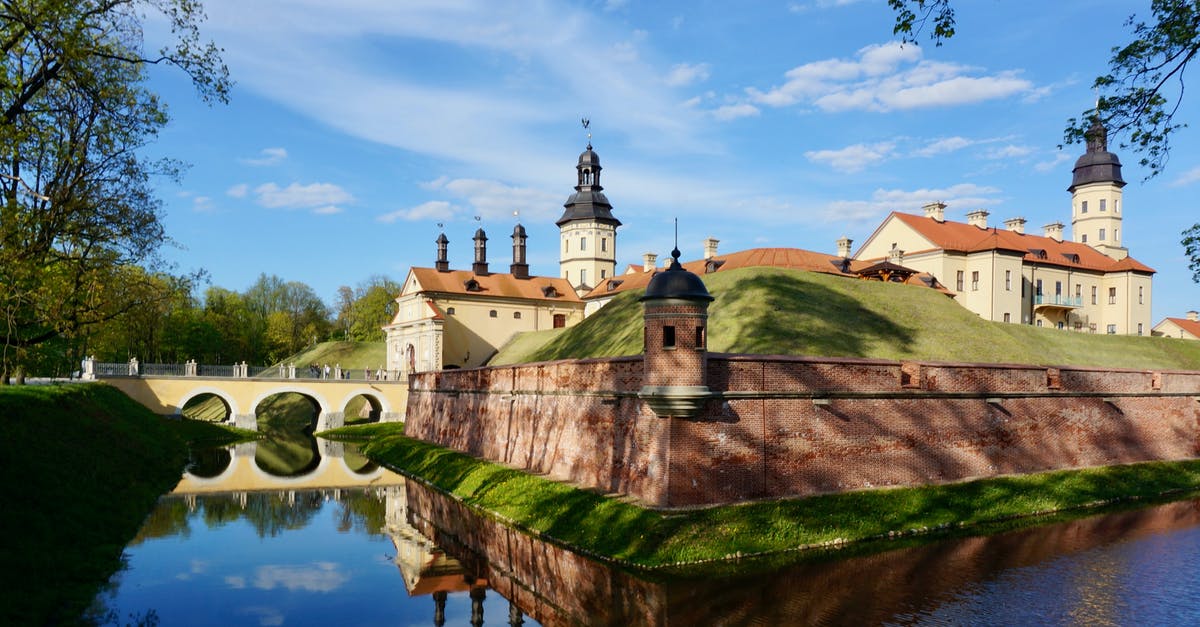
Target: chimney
[
  {"x": 936, "y": 210},
  {"x": 648, "y": 261},
  {"x": 442, "y": 264},
  {"x": 978, "y": 218},
  {"x": 480, "y": 266},
  {"x": 1054, "y": 231},
  {"x": 1016, "y": 225},
  {"x": 843, "y": 245},
  {"x": 710, "y": 247},
  {"x": 1193, "y": 316},
  {"x": 896, "y": 256},
  {"x": 519, "y": 268}
]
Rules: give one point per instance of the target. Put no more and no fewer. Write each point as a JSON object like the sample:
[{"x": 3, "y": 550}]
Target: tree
[
  {"x": 363, "y": 311},
  {"x": 78, "y": 209},
  {"x": 1141, "y": 93}
]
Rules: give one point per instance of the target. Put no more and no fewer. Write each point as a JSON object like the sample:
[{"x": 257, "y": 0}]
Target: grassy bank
[
  {"x": 789, "y": 312},
  {"x": 629, "y": 534},
  {"x": 80, "y": 467}
]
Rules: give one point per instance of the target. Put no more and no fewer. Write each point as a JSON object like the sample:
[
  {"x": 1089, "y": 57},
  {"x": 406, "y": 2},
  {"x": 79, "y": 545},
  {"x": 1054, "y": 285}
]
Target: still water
[{"x": 263, "y": 535}]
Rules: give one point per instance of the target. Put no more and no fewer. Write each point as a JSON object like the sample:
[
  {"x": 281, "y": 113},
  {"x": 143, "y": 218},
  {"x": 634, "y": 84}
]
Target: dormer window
[
  {"x": 614, "y": 284},
  {"x": 549, "y": 292},
  {"x": 472, "y": 285},
  {"x": 712, "y": 265},
  {"x": 1040, "y": 253},
  {"x": 1072, "y": 257}
]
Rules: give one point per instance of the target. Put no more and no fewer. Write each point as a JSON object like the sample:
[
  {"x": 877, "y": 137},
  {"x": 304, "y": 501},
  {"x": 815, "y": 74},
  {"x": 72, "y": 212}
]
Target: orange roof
[
  {"x": 498, "y": 285},
  {"x": 962, "y": 237},
  {"x": 1190, "y": 326},
  {"x": 793, "y": 258}
]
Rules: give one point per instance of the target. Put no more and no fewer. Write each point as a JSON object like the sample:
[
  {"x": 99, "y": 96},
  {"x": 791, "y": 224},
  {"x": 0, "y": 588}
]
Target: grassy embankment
[
  {"x": 82, "y": 465},
  {"x": 787, "y": 312},
  {"x": 773, "y": 311},
  {"x": 622, "y": 532}
]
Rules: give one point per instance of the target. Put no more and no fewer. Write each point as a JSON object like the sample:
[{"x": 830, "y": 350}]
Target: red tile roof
[
  {"x": 962, "y": 237},
  {"x": 1190, "y": 326},
  {"x": 494, "y": 284}
]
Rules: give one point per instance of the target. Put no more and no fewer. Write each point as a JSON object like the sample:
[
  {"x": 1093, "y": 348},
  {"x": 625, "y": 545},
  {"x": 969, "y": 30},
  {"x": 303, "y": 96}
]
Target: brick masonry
[{"x": 799, "y": 426}]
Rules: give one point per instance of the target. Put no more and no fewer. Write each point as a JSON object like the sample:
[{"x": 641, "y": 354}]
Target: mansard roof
[{"x": 1037, "y": 249}]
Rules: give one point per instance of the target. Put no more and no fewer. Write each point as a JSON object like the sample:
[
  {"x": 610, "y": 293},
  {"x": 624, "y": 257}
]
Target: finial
[
  {"x": 441, "y": 226},
  {"x": 587, "y": 123}
]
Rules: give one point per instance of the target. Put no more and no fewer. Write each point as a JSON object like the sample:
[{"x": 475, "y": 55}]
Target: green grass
[
  {"x": 364, "y": 432},
  {"x": 788, "y": 312},
  {"x": 80, "y": 468},
  {"x": 623, "y": 532},
  {"x": 356, "y": 355}
]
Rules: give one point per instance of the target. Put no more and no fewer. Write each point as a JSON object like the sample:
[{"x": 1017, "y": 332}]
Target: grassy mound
[
  {"x": 80, "y": 467},
  {"x": 357, "y": 355},
  {"x": 789, "y": 312}
]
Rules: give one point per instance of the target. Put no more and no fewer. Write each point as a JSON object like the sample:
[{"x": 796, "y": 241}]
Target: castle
[{"x": 447, "y": 319}]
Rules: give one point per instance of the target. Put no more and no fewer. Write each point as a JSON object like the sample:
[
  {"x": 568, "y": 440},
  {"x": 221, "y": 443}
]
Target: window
[
  {"x": 1078, "y": 293},
  {"x": 1084, "y": 236},
  {"x": 1116, "y": 235},
  {"x": 516, "y": 315},
  {"x": 1140, "y": 301},
  {"x": 958, "y": 281},
  {"x": 1112, "y": 329},
  {"x": 1093, "y": 294},
  {"x": 1057, "y": 289},
  {"x": 1112, "y": 295},
  {"x": 1039, "y": 322},
  {"x": 449, "y": 311},
  {"x": 1008, "y": 282},
  {"x": 1006, "y": 318},
  {"x": 669, "y": 336},
  {"x": 1116, "y": 206},
  {"x": 603, "y": 244},
  {"x": 583, "y": 243},
  {"x": 1060, "y": 325},
  {"x": 1083, "y": 207},
  {"x": 566, "y": 245},
  {"x": 583, "y": 277},
  {"x": 700, "y": 338},
  {"x": 560, "y": 321},
  {"x": 975, "y": 281},
  {"x": 603, "y": 274},
  {"x": 1139, "y": 328},
  {"x": 1103, "y": 204},
  {"x": 1038, "y": 288},
  {"x": 1101, "y": 236},
  {"x": 492, "y": 313}
]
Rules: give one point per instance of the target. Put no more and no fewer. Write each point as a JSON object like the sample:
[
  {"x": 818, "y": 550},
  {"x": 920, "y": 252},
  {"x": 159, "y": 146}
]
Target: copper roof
[
  {"x": 967, "y": 238},
  {"x": 499, "y": 285}
]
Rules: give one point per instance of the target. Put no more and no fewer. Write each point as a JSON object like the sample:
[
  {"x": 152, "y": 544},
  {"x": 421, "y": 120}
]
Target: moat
[{"x": 390, "y": 551}]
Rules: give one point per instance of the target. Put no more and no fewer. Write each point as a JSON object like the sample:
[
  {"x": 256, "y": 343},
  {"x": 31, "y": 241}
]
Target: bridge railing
[{"x": 93, "y": 369}]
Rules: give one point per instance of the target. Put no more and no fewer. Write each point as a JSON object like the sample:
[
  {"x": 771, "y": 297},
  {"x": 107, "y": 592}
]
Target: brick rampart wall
[{"x": 794, "y": 426}]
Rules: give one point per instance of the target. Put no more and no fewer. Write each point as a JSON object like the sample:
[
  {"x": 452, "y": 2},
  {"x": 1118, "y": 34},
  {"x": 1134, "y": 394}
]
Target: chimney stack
[
  {"x": 896, "y": 256},
  {"x": 843, "y": 245},
  {"x": 1054, "y": 231},
  {"x": 1193, "y": 316},
  {"x": 442, "y": 264},
  {"x": 978, "y": 218},
  {"x": 480, "y": 266},
  {"x": 710, "y": 247},
  {"x": 936, "y": 210},
  {"x": 1016, "y": 225},
  {"x": 519, "y": 268},
  {"x": 648, "y": 261}
]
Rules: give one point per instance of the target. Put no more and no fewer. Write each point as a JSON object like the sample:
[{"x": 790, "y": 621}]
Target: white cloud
[
  {"x": 886, "y": 77},
  {"x": 267, "y": 156},
  {"x": 684, "y": 74},
  {"x": 1046, "y": 166},
  {"x": 853, "y": 158},
  {"x": 238, "y": 191},
  {"x": 1187, "y": 178},
  {"x": 497, "y": 201},
  {"x": 317, "y": 577},
  {"x": 433, "y": 210},
  {"x": 735, "y": 111},
  {"x": 202, "y": 204},
  {"x": 942, "y": 145},
  {"x": 318, "y": 197},
  {"x": 237, "y": 582}
]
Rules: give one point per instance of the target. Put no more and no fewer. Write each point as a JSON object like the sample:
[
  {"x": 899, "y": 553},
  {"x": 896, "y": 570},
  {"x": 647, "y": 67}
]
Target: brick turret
[{"x": 675, "y": 318}]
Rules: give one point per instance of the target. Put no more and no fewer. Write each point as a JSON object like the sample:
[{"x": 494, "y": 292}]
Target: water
[{"x": 341, "y": 541}]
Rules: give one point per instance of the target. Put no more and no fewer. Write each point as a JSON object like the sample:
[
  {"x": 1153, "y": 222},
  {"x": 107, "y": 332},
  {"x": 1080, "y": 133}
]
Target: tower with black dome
[
  {"x": 587, "y": 229},
  {"x": 675, "y": 320},
  {"x": 1096, "y": 196}
]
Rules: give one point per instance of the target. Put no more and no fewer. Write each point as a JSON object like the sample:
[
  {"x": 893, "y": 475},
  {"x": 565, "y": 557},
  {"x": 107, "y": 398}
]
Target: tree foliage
[
  {"x": 78, "y": 211},
  {"x": 363, "y": 311}
]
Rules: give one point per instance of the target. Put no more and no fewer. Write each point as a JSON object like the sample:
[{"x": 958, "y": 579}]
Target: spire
[
  {"x": 442, "y": 264},
  {"x": 588, "y": 202}
]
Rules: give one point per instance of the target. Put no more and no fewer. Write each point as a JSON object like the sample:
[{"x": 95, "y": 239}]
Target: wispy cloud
[
  {"x": 1046, "y": 166},
  {"x": 238, "y": 191},
  {"x": 853, "y": 158},
  {"x": 320, "y": 198},
  {"x": 1187, "y": 178},
  {"x": 317, "y": 577},
  {"x": 687, "y": 73},
  {"x": 267, "y": 156},
  {"x": 942, "y": 145},
  {"x": 735, "y": 111},
  {"x": 438, "y": 210},
  {"x": 887, "y": 77}
]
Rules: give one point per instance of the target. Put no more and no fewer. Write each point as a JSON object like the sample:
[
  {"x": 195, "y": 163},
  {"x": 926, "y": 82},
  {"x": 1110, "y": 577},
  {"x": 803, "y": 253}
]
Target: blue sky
[{"x": 357, "y": 126}]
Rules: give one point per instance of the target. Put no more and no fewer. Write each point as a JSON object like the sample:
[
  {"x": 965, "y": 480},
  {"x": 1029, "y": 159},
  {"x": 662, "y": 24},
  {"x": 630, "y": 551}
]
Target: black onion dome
[
  {"x": 588, "y": 202},
  {"x": 479, "y": 234},
  {"x": 675, "y": 282},
  {"x": 518, "y": 231},
  {"x": 589, "y": 157},
  {"x": 1097, "y": 165}
]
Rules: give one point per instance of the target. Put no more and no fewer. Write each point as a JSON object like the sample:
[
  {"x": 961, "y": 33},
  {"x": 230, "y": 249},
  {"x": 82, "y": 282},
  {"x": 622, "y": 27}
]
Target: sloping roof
[
  {"x": 794, "y": 258},
  {"x": 967, "y": 238},
  {"x": 1190, "y": 326},
  {"x": 495, "y": 285}
]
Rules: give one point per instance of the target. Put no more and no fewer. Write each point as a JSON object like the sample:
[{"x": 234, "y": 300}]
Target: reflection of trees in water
[
  {"x": 168, "y": 519},
  {"x": 275, "y": 512},
  {"x": 207, "y": 463},
  {"x": 219, "y": 510},
  {"x": 355, "y": 460},
  {"x": 363, "y": 512}
]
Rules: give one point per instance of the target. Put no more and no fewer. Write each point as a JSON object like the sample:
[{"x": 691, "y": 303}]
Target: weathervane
[
  {"x": 587, "y": 125},
  {"x": 441, "y": 226}
]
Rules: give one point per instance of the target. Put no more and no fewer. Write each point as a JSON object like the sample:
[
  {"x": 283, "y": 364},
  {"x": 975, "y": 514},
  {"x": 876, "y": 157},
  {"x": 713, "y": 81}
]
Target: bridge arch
[
  {"x": 327, "y": 417},
  {"x": 374, "y": 396},
  {"x": 207, "y": 389}
]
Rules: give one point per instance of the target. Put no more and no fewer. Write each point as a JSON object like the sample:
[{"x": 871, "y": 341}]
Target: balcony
[{"x": 1064, "y": 303}]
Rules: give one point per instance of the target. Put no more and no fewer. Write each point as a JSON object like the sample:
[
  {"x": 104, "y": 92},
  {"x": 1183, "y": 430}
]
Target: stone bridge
[{"x": 167, "y": 394}]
